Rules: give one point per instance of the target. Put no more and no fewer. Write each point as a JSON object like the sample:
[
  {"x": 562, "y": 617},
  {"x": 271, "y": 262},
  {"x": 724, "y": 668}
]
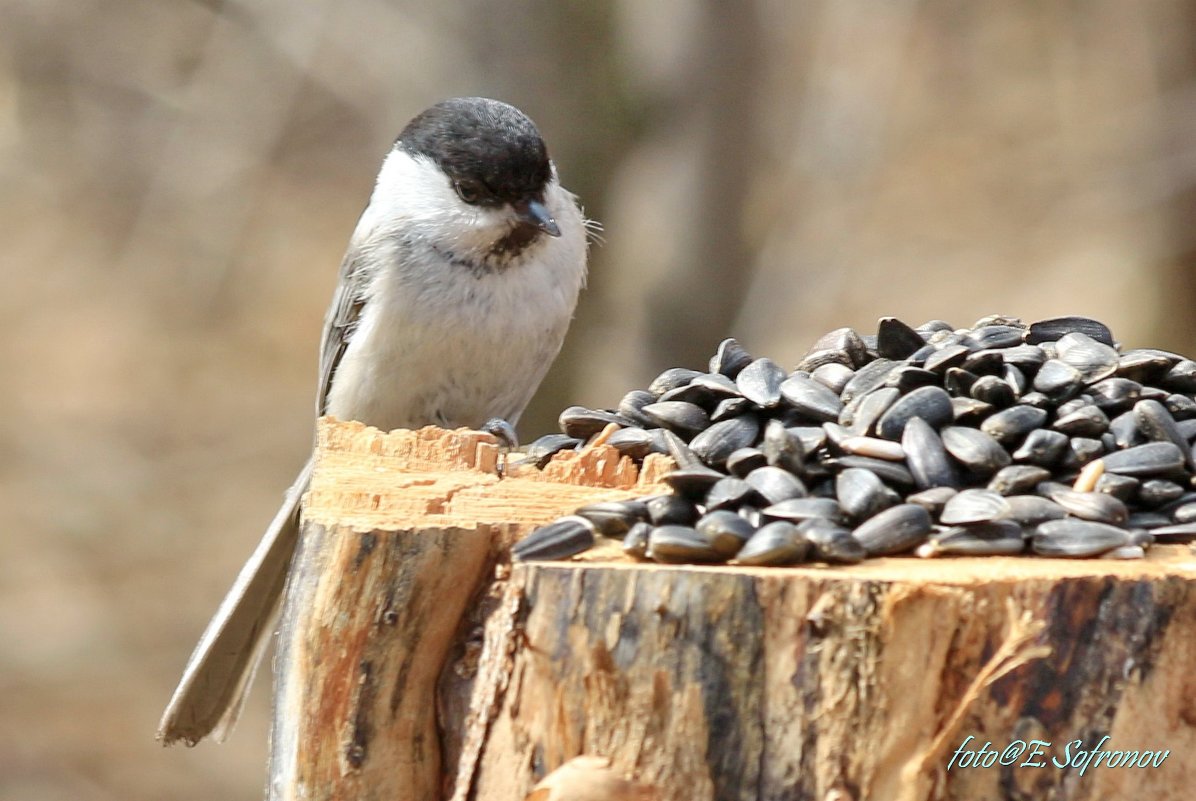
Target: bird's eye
[{"x": 470, "y": 193}]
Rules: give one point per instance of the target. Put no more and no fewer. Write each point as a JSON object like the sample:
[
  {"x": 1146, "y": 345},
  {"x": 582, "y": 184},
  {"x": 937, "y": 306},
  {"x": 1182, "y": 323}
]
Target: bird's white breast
[{"x": 441, "y": 344}]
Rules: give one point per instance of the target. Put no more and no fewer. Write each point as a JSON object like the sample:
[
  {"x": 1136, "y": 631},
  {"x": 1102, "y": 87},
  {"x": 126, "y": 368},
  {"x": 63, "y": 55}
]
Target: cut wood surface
[{"x": 816, "y": 682}]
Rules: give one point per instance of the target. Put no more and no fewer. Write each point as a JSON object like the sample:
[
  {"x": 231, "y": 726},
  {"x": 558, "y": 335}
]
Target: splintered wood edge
[
  {"x": 429, "y": 448},
  {"x": 366, "y": 480}
]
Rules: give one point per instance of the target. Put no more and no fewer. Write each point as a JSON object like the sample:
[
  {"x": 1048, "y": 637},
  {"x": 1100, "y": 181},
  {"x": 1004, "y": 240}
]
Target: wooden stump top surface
[{"x": 366, "y": 479}]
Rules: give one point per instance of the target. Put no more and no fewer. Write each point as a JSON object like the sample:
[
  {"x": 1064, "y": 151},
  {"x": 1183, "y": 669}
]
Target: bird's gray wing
[{"x": 344, "y": 313}]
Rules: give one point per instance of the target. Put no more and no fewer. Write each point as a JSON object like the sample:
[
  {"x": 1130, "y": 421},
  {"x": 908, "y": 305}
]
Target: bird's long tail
[{"x": 216, "y": 680}]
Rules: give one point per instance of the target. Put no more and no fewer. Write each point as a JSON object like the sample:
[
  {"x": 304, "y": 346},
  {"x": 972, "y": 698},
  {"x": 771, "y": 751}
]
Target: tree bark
[
  {"x": 848, "y": 683},
  {"x": 702, "y": 683}
]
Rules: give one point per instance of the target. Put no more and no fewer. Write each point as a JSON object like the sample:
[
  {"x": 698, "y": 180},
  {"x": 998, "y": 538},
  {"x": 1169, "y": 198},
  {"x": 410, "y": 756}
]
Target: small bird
[{"x": 454, "y": 297}]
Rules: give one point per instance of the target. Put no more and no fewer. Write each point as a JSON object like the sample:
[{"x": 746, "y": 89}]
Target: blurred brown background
[{"x": 178, "y": 180}]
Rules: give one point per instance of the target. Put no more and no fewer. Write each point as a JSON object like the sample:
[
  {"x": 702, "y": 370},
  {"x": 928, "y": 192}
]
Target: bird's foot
[
  {"x": 503, "y": 431},
  {"x": 508, "y": 440}
]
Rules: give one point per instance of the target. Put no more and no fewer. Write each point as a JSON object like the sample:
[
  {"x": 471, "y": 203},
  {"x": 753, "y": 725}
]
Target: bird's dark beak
[{"x": 533, "y": 213}]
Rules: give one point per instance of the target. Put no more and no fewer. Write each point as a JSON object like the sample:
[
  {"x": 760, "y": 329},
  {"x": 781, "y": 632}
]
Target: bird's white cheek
[
  {"x": 476, "y": 228},
  {"x": 415, "y": 192}
]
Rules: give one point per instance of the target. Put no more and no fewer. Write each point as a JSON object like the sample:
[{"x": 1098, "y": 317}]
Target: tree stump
[{"x": 415, "y": 663}]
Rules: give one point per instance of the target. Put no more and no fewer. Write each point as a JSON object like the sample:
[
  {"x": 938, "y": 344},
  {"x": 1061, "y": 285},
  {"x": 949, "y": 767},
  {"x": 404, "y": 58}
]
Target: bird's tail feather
[{"x": 215, "y": 682}]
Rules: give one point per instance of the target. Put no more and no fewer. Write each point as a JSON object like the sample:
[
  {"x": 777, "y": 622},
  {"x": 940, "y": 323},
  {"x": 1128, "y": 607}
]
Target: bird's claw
[{"x": 504, "y": 432}]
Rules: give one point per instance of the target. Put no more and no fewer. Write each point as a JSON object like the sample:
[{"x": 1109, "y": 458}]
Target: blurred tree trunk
[
  {"x": 1175, "y": 325},
  {"x": 567, "y": 71},
  {"x": 698, "y": 300},
  {"x": 559, "y": 62}
]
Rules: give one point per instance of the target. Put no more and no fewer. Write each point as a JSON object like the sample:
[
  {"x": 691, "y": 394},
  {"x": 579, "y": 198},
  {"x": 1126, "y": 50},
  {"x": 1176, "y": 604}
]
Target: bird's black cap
[{"x": 491, "y": 151}]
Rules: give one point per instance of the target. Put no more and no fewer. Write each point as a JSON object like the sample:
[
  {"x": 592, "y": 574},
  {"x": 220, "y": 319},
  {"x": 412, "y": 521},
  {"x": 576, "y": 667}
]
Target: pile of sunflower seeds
[{"x": 1002, "y": 438}]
